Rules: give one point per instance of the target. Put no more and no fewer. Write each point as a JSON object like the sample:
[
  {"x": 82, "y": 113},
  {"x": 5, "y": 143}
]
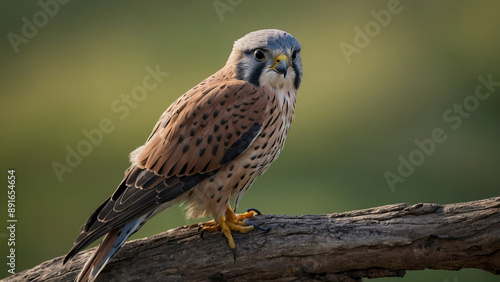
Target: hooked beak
[{"x": 281, "y": 64}]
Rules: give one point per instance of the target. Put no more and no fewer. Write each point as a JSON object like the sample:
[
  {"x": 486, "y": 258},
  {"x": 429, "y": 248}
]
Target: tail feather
[{"x": 107, "y": 249}]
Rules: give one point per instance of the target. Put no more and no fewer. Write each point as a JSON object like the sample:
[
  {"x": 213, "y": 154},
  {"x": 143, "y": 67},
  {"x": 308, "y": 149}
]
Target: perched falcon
[{"x": 208, "y": 146}]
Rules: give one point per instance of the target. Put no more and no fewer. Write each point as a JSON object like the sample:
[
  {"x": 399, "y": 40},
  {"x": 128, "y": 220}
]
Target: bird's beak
[{"x": 281, "y": 64}]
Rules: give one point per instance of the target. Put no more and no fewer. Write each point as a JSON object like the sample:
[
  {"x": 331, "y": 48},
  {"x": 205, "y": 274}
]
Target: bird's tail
[{"x": 107, "y": 249}]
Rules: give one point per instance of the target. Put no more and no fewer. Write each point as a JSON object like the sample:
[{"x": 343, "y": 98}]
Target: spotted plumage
[{"x": 209, "y": 146}]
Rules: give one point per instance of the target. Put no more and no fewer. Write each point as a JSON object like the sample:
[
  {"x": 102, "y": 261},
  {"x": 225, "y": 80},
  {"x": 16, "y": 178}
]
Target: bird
[{"x": 206, "y": 149}]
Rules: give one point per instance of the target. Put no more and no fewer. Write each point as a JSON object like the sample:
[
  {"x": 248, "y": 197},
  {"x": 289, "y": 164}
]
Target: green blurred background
[{"x": 351, "y": 123}]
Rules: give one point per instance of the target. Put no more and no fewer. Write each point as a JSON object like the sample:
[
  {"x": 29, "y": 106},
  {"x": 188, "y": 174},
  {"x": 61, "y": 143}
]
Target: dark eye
[
  {"x": 294, "y": 55},
  {"x": 259, "y": 55}
]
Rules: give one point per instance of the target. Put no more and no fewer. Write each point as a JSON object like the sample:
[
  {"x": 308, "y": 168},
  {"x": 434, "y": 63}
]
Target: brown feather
[
  {"x": 97, "y": 257},
  {"x": 226, "y": 109}
]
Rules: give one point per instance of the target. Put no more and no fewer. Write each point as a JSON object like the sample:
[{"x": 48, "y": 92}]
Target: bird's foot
[{"x": 231, "y": 222}]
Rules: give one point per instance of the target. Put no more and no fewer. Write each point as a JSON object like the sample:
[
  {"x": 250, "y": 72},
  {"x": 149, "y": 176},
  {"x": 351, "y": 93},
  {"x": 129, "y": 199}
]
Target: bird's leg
[
  {"x": 231, "y": 222},
  {"x": 235, "y": 221}
]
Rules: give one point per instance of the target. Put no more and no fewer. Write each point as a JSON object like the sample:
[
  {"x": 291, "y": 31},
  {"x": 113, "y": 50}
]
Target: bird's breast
[{"x": 277, "y": 124}]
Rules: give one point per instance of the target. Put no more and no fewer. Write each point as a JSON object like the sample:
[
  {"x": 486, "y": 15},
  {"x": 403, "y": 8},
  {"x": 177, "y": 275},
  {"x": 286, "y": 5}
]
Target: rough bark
[{"x": 376, "y": 242}]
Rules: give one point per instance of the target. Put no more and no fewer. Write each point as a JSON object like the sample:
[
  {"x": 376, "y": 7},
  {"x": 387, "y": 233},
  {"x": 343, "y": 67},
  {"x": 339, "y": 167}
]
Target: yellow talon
[
  {"x": 246, "y": 215},
  {"x": 227, "y": 232},
  {"x": 242, "y": 228},
  {"x": 231, "y": 222}
]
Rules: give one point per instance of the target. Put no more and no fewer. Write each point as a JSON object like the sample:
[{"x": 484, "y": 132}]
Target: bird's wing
[
  {"x": 200, "y": 134},
  {"x": 206, "y": 128}
]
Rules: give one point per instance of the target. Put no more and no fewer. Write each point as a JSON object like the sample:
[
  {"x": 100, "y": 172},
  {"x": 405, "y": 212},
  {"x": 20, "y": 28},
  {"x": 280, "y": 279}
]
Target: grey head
[{"x": 268, "y": 57}]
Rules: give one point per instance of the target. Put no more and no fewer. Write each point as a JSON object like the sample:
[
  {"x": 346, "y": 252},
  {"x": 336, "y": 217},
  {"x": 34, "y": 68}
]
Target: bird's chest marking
[{"x": 272, "y": 138}]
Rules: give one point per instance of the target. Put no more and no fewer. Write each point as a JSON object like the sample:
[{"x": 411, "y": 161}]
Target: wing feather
[{"x": 209, "y": 121}]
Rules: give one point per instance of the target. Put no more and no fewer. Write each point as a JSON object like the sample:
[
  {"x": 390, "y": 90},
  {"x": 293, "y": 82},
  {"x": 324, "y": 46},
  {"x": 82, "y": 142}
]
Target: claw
[
  {"x": 265, "y": 229},
  {"x": 234, "y": 255},
  {"x": 210, "y": 226},
  {"x": 254, "y": 210}
]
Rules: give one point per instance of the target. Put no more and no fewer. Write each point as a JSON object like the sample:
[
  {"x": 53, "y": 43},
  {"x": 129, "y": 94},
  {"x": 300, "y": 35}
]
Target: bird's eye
[
  {"x": 294, "y": 55},
  {"x": 259, "y": 55}
]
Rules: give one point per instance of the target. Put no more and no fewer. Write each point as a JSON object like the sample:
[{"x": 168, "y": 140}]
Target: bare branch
[{"x": 376, "y": 242}]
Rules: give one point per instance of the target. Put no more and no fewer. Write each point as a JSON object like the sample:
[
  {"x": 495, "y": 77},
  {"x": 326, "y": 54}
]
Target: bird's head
[{"x": 268, "y": 57}]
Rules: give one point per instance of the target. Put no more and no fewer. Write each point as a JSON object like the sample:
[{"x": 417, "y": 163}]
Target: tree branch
[{"x": 376, "y": 242}]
